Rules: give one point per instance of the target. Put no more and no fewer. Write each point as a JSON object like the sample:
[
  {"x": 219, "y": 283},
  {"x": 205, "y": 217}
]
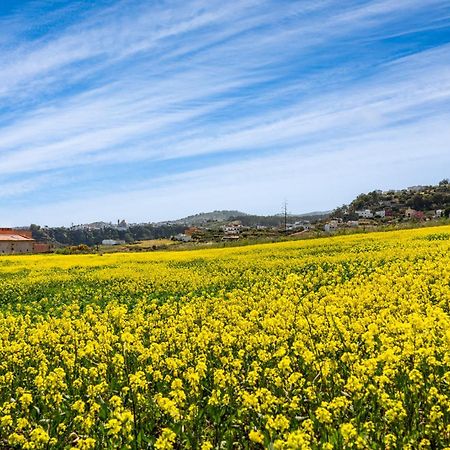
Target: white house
[
  {"x": 332, "y": 225},
  {"x": 112, "y": 242},
  {"x": 230, "y": 229},
  {"x": 230, "y": 237},
  {"x": 183, "y": 237},
  {"x": 364, "y": 213},
  {"x": 306, "y": 225},
  {"x": 381, "y": 213}
]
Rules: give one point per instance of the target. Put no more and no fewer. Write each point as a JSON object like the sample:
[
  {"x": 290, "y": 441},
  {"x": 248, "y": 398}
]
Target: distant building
[
  {"x": 122, "y": 225},
  {"x": 416, "y": 188},
  {"x": 439, "y": 213},
  {"x": 364, "y": 213},
  {"x": 230, "y": 237},
  {"x": 366, "y": 223},
  {"x": 332, "y": 225},
  {"x": 41, "y": 247},
  {"x": 413, "y": 214},
  {"x": 409, "y": 213},
  {"x": 112, "y": 242},
  {"x": 13, "y": 242},
  {"x": 236, "y": 223},
  {"x": 191, "y": 231},
  {"x": 182, "y": 237},
  {"x": 305, "y": 224},
  {"x": 231, "y": 229},
  {"x": 381, "y": 213}
]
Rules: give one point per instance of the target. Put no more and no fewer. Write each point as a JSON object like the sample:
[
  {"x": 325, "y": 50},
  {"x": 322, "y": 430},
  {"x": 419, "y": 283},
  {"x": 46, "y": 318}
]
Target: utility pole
[{"x": 285, "y": 216}]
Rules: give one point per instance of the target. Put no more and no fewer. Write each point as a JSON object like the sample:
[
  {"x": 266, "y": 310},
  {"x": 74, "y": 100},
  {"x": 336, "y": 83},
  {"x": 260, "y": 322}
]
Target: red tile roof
[{"x": 14, "y": 237}]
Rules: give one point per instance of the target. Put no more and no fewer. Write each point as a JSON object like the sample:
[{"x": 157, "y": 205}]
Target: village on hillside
[
  {"x": 393, "y": 207},
  {"x": 378, "y": 209},
  {"x": 367, "y": 212}
]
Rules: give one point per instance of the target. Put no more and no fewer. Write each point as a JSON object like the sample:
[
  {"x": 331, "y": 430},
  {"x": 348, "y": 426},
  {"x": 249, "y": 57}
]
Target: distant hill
[
  {"x": 246, "y": 219},
  {"x": 278, "y": 219},
  {"x": 309, "y": 214},
  {"x": 203, "y": 218}
]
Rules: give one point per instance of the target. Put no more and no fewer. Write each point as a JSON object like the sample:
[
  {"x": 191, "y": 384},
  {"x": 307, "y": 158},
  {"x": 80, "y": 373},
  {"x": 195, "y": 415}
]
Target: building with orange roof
[{"x": 13, "y": 242}]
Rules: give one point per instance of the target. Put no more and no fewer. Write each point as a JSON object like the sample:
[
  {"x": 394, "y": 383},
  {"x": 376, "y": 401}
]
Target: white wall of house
[
  {"x": 331, "y": 226},
  {"x": 183, "y": 237},
  {"x": 365, "y": 213}
]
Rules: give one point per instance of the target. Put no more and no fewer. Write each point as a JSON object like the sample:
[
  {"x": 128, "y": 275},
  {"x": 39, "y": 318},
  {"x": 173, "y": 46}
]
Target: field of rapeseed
[{"x": 325, "y": 344}]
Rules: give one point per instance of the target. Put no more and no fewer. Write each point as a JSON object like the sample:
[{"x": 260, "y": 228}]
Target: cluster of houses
[
  {"x": 300, "y": 226},
  {"x": 19, "y": 242},
  {"x": 121, "y": 225},
  {"x": 228, "y": 232},
  {"x": 188, "y": 234},
  {"x": 368, "y": 217},
  {"x": 235, "y": 230},
  {"x": 409, "y": 213}
]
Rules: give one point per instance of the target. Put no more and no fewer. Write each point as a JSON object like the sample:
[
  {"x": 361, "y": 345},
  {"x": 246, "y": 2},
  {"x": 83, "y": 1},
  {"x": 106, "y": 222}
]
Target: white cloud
[
  {"x": 318, "y": 180},
  {"x": 140, "y": 83}
]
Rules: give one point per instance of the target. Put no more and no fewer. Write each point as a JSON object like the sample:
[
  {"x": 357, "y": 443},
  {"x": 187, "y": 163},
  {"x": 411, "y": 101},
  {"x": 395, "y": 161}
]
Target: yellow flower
[
  {"x": 113, "y": 426},
  {"x": 78, "y": 406},
  {"x": 22, "y": 423},
  {"x": 6, "y": 421},
  {"x": 390, "y": 440},
  {"x": 424, "y": 444},
  {"x": 247, "y": 340},
  {"x": 16, "y": 439},
  {"x": 256, "y": 436},
  {"x": 279, "y": 423},
  {"x": 41, "y": 438},
  {"x": 26, "y": 399},
  {"x": 166, "y": 440},
  {"x": 348, "y": 432},
  {"x": 86, "y": 444},
  {"x": 323, "y": 415}
]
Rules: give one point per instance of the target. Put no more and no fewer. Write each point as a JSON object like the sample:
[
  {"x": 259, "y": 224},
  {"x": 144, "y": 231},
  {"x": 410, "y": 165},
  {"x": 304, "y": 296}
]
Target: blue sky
[{"x": 151, "y": 110}]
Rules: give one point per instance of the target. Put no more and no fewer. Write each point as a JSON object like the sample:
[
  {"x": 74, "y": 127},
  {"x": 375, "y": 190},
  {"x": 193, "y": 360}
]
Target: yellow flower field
[{"x": 331, "y": 343}]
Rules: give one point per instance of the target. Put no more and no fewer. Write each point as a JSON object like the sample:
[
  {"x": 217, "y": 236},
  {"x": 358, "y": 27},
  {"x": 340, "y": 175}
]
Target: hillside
[
  {"x": 250, "y": 220},
  {"x": 203, "y": 218},
  {"x": 424, "y": 199}
]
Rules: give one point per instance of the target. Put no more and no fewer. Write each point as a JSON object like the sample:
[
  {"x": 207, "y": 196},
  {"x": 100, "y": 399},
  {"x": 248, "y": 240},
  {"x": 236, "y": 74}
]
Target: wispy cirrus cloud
[{"x": 180, "y": 89}]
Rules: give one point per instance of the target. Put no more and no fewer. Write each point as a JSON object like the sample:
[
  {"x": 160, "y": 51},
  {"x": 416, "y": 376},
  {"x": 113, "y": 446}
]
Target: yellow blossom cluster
[{"x": 333, "y": 343}]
